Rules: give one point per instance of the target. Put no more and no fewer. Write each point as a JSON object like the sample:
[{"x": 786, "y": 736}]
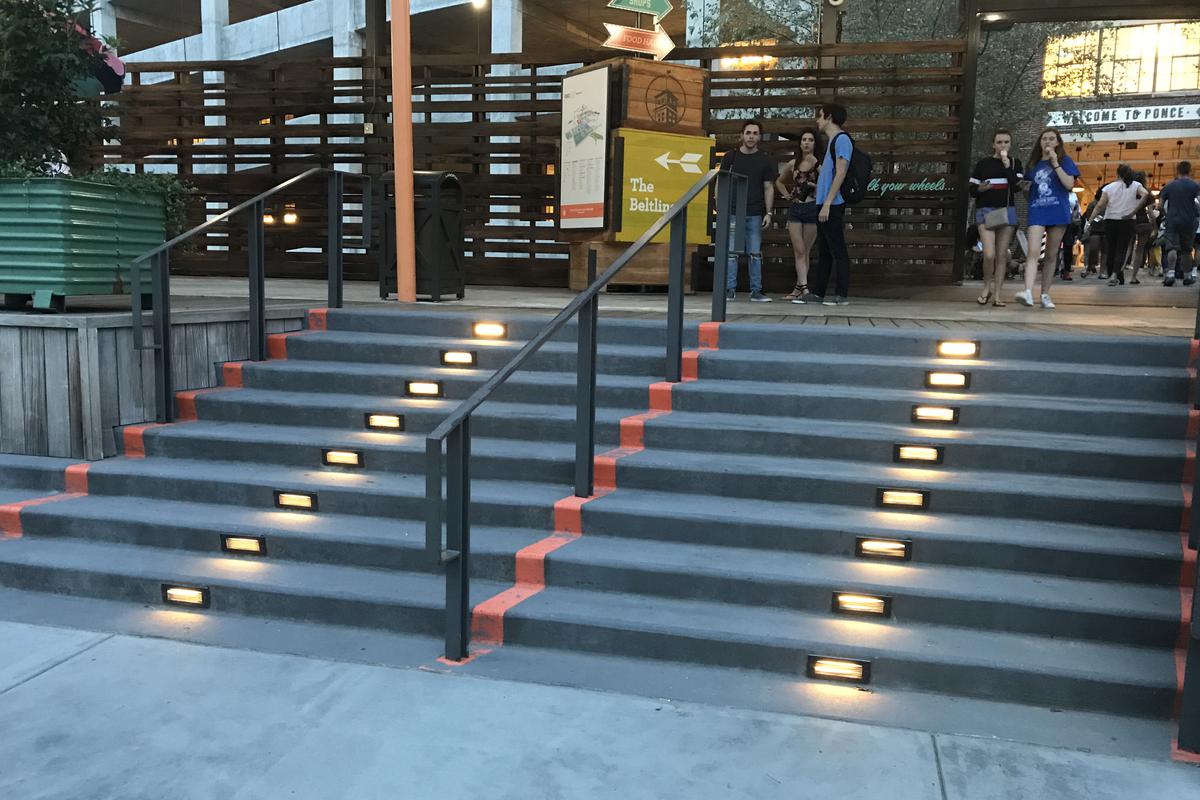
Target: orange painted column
[{"x": 402, "y": 143}]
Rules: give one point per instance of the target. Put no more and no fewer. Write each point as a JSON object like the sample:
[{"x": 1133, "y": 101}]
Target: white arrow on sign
[{"x": 688, "y": 162}]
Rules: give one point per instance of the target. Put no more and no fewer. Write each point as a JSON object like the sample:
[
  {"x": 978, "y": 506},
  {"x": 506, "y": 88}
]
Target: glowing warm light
[
  {"x": 851, "y": 603},
  {"x": 893, "y": 549},
  {"x": 753, "y": 61},
  {"x": 423, "y": 389},
  {"x": 185, "y": 595},
  {"x": 290, "y": 218},
  {"x": 298, "y": 500},
  {"x": 903, "y": 498},
  {"x": 479, "y": 3},
  {"x": 839, "y": 669},
  {"x": 950, "y": 349},
  {"x": 385, "y": 422},
  {"x": 342, "y": 458},
  {"x": 917, "y": 452},
  {"x": 268, "y": 219},
  {"x": 490, "y": 330},
  {"x": 458, "y": 358},
  {"x": 252, "y": 545},
  {"x": 935, "y": 414},
  {"x": 947, "y": 380},
  {"x": 992, "y": 17}
]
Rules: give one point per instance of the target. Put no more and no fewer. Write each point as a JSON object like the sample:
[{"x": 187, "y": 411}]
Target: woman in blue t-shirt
[{"x": 1049, "y": 176}]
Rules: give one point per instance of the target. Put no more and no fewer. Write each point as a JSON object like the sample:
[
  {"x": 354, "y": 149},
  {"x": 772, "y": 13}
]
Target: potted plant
[{"x": 65, "y": 230}]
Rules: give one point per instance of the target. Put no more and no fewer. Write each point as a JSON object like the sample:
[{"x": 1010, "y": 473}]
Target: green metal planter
[{"x": 62, "y": 237}]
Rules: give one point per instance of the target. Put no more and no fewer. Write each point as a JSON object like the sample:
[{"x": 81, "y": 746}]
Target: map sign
[
  {"x": 583, "y": 150},
  {"x": 657, "y": 169}
]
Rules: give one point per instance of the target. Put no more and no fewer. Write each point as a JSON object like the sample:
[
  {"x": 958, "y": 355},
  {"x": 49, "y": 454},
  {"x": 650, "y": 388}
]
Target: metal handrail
[
  {"x": 1189, "y": 705},
  {"x": 454, "y": 430},
  {"x": 160, "y": 276}
]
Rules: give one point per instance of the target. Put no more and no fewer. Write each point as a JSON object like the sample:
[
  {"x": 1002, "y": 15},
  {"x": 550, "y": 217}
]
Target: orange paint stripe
[
  {"x": 77, "y": 478},
  {"x": 318, "y": 319},
  {"x": 710, "y": 335},
  {"x": 185, "y": 402},
  {"x": 1193, "y": 352},
  {"x": 135, "y": 439},
  {"x": 277, "y": 344},
  {"x": 231, "y": 374},
  {"x": 10, "y": 513},
  {"x": 691, "y": 365},
  {"x": 660, "y": 396}
]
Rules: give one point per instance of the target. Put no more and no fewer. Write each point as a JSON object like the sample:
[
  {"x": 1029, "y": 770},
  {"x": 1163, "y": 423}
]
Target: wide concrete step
[
  {"x": 1090, "y": 381},
  {"x": 920, "y": 593},
  {"x": 253, "y": 485},
  {"x": 1096, "y": 552},
  {"x": 364, "y": 598},
  {"x": 1034, "y": 670},
  {"x": 39, "y": 473},
  {"x": 1012, "y": 495},
  {"x": 331, "y": 539}
]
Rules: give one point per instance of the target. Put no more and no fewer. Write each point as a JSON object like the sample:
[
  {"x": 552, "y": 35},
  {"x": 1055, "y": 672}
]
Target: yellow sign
[{"x": 657, "y": 169}]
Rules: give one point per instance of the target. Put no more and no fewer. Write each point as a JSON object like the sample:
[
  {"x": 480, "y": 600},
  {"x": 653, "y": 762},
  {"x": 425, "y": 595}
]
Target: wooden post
[
  {"x": 966, "y": 126},
  {"x": 402, "y": 143}
]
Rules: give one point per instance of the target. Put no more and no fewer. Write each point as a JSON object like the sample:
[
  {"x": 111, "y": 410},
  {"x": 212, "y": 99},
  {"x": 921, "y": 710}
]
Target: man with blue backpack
[{"x": 841, "y": 181}]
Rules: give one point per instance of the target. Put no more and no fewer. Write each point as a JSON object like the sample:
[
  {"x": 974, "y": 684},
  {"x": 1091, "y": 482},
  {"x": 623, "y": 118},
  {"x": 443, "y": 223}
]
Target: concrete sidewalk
[{"x": 96, "y": 716}]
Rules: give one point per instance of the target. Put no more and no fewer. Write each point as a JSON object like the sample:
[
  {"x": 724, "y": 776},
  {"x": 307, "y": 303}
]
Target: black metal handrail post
[
  {"x": 1189, "y": 704},
  {"x": 729, "y": 234},
  {"x": 160, "y": 293},
  {"x": 676, "y": 254},
  {"x": 257, "y": 273},
  {"x": 333, "y": 247},
  {"x": 585, "y": 390},
  {"x": 458, "y": 540}
]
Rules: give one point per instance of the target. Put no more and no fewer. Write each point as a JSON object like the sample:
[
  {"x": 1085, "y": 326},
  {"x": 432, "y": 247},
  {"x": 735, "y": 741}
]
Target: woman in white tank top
[{"x": 1119, "y": 202}]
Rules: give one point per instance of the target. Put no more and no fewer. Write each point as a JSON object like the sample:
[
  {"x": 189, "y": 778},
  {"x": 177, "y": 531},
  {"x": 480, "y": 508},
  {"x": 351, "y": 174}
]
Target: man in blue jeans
[
  {"x": 831, "y": 218},
  {"x": 760, "y": 172}
]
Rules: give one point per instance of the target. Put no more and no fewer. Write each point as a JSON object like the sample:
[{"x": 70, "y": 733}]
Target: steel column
[
  {"x": 256, "y": 251},
  {"x": 333, "y": 246},
  {"x": 724, "y": 200},
  {"x": 966, "y": 127},
  {"x": 458, "y": 541},
  {"x": 433, "y": 501},
  {"x": 677, "y": 252},
  {"x": 1189, "y": 706},
  {"x": 164, "y": 382},
  {"x": 585, "y": 390}
]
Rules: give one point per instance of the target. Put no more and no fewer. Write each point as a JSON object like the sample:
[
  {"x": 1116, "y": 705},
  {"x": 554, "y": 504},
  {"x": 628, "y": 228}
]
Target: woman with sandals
[
  {"x": 995, "y": 182},
  {"x": 1049, "y": 178},
  {"x": 798, "y": 183}
]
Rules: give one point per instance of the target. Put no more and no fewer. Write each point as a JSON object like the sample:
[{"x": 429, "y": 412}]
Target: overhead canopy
[{"x": 1085, "y": 10}]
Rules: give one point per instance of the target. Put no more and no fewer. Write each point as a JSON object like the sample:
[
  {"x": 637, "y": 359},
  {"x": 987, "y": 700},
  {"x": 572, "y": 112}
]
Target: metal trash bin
[{"x": 439, "y": 205}]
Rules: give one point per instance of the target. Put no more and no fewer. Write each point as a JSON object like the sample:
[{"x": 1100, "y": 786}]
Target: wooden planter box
[{"x": 62, "y": 237}]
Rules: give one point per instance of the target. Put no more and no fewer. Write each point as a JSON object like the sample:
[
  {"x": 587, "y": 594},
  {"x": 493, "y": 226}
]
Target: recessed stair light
[
  {"x": 947, "y": 380},
  {"x": 194, "y": 596},
  {"x": 342, "y": 458},
  {"x": 877, "y": 547},
  {"x": 839, "y": 669},
  {"x": 244, "y": 545},
  {"x": 902, "y": 498},
  {"x": 490, "y": 330},
  {"x": 918, "y": 453},
  {"x": 298, "y": 501},
  {"x": 958, "y": 349},
  {"x": 458, "y": 358},
  {"x": 423, "y": 388},
  {"x": 943, "y": 414},
  {"x": 384, "y": 422},
  {"x": 865, "y": 604}
]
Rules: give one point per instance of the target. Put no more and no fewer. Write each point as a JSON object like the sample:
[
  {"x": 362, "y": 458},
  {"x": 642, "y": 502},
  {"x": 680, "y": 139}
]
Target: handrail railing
[
  {"x": 1189, "y": 706},
  {"x": 160, "y": 276},
  {"x": 454, "y": 554}
]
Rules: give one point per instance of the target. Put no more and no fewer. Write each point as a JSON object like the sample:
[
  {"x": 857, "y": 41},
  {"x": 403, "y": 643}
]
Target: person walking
[
  {"x": 798, "y": 183},
  {"x": 1182, "y": 216},
  {"x": 994, "y": 183},
  {"x": 1119, "y": 204},
  {"x": 832, "y": 259},
  {"x": 1071, "y": 238},
  {"x": 1143, "y": 228},
  {"x": 1050, "y": 176},
  {"x": 760, "y": 172}
]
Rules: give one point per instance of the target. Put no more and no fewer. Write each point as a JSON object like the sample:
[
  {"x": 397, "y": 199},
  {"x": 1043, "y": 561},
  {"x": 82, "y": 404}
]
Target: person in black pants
[
  {"x": 832, "y": 257},
  {"x": 1119, "y": 203}
]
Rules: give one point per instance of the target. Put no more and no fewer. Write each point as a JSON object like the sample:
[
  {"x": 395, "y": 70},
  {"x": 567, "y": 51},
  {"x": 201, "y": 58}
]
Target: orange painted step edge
[{"x": 75, "y": 485}]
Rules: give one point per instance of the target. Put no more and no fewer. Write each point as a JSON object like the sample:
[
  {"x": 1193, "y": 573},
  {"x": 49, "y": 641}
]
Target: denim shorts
[
  {"x": 980, "y": 213},
  {"x": 803, "y": 212}
]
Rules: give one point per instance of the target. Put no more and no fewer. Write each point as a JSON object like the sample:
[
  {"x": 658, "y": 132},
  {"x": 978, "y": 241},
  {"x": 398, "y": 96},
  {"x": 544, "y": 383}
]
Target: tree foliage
[{"x": 42, "y": 58}]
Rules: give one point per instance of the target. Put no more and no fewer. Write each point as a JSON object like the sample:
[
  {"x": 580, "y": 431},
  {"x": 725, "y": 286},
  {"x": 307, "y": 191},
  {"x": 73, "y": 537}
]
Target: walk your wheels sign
[{"x": 656, "y": 169}]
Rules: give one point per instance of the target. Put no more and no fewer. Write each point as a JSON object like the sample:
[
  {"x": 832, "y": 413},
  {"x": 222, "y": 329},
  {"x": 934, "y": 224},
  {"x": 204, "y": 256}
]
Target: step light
[
  {"x": 947, "y": 380},
  {"x": 839, "y": 669},
  {"x": 943, "y": 414},
  {"x": 890, "y": 549},
  {"x": 194, "y": 596},
  {"x": 244, "y": 545},
  {"x": 458, "y": 358},
  {"x": 863, "y": 604},
  {"x": 342, "y": 458},
  {"x": 918, "y": 454},
  {"x": 297, "y": 501},
  {"x": 384, "y": 422},
  {"x": 490, "y": 330},
  {"x": 423, "y": 388},
  {"x": 957, "y": 349},
  {"x": 902, "y": 498}
]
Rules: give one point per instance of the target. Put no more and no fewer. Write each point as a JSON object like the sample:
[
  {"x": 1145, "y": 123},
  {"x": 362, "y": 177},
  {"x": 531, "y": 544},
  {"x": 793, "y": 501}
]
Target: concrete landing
[{"x": 149, "y": 718}]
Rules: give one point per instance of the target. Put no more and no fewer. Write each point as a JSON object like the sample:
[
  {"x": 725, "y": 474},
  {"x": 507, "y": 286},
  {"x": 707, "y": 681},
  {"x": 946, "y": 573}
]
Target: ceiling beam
[
  {"x": 1088, "y": 10},
  {"x": 151, "y": 20}
]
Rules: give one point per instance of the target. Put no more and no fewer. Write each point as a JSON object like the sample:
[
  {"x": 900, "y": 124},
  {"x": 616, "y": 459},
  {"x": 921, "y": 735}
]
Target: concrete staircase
[{"x": 1045, "y": 570}]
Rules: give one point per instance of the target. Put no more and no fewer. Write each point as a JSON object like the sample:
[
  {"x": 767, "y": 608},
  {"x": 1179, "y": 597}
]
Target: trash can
[{"x": 439, "y": 203}]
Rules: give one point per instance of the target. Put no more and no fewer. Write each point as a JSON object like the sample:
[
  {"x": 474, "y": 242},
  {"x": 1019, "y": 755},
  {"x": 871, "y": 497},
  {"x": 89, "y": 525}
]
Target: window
[{"x": 1135, "y": 59}]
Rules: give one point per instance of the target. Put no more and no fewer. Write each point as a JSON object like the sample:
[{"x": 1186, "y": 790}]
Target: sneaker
[
  {"x": 759, "y": 297},
  {"x": 836, "y": 300},
  {"x": 1169, "y": 280},
  {"x": 1135, "y": 282},
  {"x": 1047, "y": 302},
  {"x": 807, "y": 297},
  {"x": 1188, "y": 281},
  {"x": 1066, "y": 276},
  {"x": 1112, "y": 281},
  {"x": 1025, "y": 298},
  {"x": 730, "y": 294}
]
